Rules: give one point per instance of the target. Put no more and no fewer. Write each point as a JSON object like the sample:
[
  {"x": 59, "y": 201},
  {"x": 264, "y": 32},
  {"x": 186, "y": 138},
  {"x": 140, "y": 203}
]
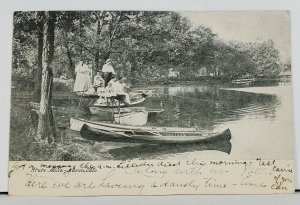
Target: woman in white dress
[{"x": 83, "y": 80}]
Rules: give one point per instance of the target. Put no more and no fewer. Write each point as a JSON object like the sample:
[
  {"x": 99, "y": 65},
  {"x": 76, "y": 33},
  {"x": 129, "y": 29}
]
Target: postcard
[{"x": 151, "y": 103}]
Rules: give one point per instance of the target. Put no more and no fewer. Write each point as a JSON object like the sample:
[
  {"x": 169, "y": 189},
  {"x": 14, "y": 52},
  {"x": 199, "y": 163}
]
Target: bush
[
  {"x": 24, "y": 147},
  {"x": 22, "y": 79},
  {"x": 61, "y": 87}
]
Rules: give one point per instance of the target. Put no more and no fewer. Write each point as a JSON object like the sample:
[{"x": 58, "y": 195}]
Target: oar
[{"x": 119, "y": 112}]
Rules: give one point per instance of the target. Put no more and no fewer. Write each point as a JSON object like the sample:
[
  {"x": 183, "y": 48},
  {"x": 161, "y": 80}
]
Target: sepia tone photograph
[{"x": 143, "y": 85}]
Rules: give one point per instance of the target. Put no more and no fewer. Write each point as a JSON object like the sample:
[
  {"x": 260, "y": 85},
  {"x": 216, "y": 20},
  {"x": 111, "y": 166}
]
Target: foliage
[
  {"x": 143, "y": 45},
  {"x": 23, "y": 145},
  {"x": 266, "y": 59}
]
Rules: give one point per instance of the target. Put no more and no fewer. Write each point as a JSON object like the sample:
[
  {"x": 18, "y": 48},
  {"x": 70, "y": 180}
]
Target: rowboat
[
  {"x": 117, "y": 105},
  {"x": 86, "y": 94},
  {"x": 101, "y": 111},
  {"x": 138, "y": 118},
  {"x": 128, "y": 116},
  {"x": 152, "y": 135}
]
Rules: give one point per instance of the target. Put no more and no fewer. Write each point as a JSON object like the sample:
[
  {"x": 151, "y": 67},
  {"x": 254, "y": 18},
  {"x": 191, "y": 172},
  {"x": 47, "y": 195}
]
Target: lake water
[{"x": 259, "y": 117}]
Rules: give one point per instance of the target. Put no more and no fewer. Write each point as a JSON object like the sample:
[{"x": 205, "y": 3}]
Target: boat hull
[
  {"x": 121, "y": 105},
  {"x": 94, "y": 110},
  {"x": 137, "y": 118},
  {"x": 77, "y": 123},
  {"x": 142, "y": 136},
  {"x": 147, "y": 151}
]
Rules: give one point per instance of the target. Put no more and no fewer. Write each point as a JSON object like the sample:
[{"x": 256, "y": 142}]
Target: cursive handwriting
[{"x": 136, "y": 177}]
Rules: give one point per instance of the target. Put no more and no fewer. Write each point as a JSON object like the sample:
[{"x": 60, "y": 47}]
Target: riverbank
[
  {"x": 24, "y": 147},
  {"x": 67, "y": 85}
]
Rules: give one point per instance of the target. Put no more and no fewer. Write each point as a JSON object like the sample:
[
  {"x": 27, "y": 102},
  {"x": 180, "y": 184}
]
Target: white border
[{"x": 8, "y": 6}]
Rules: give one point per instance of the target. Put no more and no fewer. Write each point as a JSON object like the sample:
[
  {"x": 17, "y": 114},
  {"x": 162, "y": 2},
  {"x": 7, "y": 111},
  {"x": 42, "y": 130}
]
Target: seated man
[{"x": 119, "y": 87}]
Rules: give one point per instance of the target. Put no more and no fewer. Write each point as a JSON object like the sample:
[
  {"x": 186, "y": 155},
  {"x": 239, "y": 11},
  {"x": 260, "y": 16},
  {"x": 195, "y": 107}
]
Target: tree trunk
[
  {"x": 97, "y": 54},
  {"x": 80, "y": 35},
  {"x": 45, "y": 124},
  {"x": 38, "y": 75},
  {"x": 71, "y": 69},
  {"x": 133, "y": 71}
]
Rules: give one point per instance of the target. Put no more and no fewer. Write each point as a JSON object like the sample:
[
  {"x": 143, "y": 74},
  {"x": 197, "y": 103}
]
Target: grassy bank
[{"x": 24, "y": 147}]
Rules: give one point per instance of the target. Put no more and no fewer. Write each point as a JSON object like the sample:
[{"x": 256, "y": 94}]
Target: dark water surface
[{"x": 259, "y": 117}]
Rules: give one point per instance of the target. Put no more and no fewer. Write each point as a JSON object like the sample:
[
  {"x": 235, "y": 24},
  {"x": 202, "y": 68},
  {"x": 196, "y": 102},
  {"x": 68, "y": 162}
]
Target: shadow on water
[{"x": 146, "y": 151}]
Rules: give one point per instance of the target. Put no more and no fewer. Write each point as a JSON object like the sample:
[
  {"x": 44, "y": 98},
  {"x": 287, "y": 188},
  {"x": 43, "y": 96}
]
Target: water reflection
[
  {"x": 204, "y": 107},
  {"x": 152, "y": 151},
  {"x": 256, "y": 116}
]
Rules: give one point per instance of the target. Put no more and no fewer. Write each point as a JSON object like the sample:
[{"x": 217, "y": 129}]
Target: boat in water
[
  {"x": 117, "y": 104},
  {"x": 137, "y": 118},
  {"x": 139, "y": 134},
  {"x": 243, "y": 81},
  {"x": 102, "y": 111},
  {"x": 129, "y": 115}
]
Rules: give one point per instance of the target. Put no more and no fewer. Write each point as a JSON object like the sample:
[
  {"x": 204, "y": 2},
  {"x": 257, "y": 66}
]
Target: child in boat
[
  {"x": 105, "y": 94},
  {"x": 98, "y": 81},
  {"x": 109, "y": 91},
  {"x": 101, "y": 93}
]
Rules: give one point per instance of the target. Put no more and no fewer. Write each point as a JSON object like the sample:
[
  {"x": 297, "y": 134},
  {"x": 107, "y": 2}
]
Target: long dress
[{"x": 83, "y": 80}]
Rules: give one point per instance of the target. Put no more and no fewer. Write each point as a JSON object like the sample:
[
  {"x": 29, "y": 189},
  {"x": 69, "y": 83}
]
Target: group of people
[{"x": 106, "y": 85}]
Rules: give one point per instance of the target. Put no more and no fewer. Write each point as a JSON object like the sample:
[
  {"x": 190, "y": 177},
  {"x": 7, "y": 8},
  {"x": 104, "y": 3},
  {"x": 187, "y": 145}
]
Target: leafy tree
[
  {"x": 144, "y": 45},
  {"x": 25, "y": 52},
  {"x": 266, "y": 59}
]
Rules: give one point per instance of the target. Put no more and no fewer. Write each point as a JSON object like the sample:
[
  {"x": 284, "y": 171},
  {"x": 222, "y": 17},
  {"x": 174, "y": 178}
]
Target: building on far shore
[
  {"x": 173, "y": 73},
  {"x": 285, "y": 74},
  {"x": 202, "y": 72}
]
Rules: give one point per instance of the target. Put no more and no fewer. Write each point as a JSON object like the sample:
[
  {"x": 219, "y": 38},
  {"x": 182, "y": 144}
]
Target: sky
[{"x": 248, "y": 26}]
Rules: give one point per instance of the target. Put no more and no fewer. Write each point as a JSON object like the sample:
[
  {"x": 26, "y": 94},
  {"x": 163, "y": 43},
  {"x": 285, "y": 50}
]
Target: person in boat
[
  {"x": 98, "y": 81},
  {"x": 83, "y": 80},
  {"x": 108, "y": 92},
  {"x": 99, "y": 88},
  {"x": 120, "y": 89},
  {"x": 108, "y": 72}
]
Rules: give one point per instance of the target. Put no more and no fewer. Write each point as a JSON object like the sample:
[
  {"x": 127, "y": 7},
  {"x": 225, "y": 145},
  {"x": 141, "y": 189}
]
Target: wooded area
[{"x": 144, "y": 45}]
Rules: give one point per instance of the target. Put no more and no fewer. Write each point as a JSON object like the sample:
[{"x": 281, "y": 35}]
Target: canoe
[
  {"x": 142, "y": 134},
  {"x": 151, "y": 137},
  {"x": 77, "y": 123}
]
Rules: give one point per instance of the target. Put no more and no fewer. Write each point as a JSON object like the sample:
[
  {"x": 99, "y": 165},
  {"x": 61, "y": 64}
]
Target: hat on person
[{"x": 108, "y": 60}]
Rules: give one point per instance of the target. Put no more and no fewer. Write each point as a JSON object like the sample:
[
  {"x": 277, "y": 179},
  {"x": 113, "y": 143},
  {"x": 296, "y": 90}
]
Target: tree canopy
[{"x": 143, "y": 45}]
